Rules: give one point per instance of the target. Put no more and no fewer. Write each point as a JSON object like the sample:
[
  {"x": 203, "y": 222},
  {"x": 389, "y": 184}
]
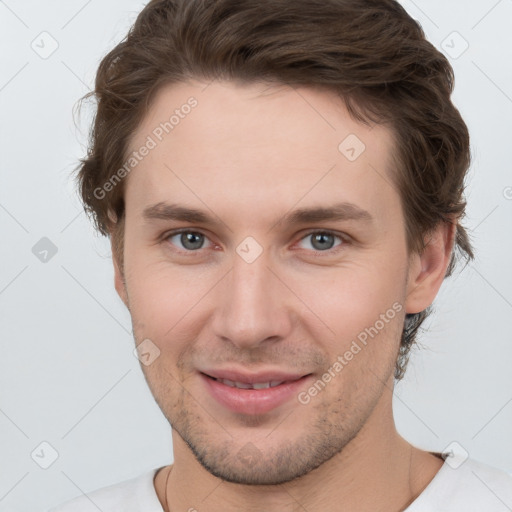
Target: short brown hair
[{"x": 370, "y": 52}]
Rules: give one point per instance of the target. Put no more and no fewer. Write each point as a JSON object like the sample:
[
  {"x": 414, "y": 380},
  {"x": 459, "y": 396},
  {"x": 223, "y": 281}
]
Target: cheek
[
  {"x": 361, "y": 312},
  {"x": 163, "y": 299},
  {"x": 365, "y": 319},
  {"x": 350, "y": 298}
]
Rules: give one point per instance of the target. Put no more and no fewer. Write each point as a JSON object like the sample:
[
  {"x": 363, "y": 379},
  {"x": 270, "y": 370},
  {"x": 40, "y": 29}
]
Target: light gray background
[{"x": 68, "y": 376}]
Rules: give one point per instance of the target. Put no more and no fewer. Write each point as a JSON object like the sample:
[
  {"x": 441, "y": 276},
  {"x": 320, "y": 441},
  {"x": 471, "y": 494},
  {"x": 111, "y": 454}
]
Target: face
[{"x": 256, "y": 286}]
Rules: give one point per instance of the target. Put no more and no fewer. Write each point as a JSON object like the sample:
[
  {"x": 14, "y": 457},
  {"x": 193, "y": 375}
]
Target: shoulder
[
  {"x": 487, "y": 485},
  {"x": 134, "y": 495},
  {"x": 469, "y": 486}
]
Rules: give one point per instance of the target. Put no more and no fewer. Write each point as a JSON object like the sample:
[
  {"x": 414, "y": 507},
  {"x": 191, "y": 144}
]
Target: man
[{"x": 282, "y": 182}]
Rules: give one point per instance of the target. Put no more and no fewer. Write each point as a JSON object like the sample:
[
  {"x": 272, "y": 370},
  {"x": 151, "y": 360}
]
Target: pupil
[
  {"x": 320, "y": 237},
  {"x": 190, "y": 240}
]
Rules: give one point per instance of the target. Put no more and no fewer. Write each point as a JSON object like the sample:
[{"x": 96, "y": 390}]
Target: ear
[
  {"x": 427, "y": 270},
  {"x": 119, "y": 281}
]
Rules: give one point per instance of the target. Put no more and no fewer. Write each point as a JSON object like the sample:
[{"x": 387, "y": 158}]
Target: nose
[{"x": 252, "y": 306}]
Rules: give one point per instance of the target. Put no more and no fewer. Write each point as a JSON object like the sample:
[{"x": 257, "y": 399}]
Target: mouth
[
  {"x": 253, "y": 394},
  {"x": 254, "y": 385}
]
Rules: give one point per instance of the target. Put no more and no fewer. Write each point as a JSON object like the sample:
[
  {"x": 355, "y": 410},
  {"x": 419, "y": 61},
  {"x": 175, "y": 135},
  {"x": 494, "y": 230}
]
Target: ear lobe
[{"x": 428, "y": 269}]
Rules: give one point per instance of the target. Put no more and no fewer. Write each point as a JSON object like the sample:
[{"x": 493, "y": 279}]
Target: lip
[{"x": 253, "y": 401}]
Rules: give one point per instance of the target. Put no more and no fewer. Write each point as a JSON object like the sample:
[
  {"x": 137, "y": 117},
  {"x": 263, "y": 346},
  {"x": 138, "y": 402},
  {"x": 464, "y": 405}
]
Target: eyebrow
[{"x": 337, "y": 212}]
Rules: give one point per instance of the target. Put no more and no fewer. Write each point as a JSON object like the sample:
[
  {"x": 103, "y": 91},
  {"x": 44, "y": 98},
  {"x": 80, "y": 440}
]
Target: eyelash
[{"x": 344, "y": 239}]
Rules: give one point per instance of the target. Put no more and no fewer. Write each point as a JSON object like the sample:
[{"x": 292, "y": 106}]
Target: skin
[{"x": 249, "y": 154}]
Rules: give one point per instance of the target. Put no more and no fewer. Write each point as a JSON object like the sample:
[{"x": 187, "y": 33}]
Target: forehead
[{"x": 258, "y": 143}]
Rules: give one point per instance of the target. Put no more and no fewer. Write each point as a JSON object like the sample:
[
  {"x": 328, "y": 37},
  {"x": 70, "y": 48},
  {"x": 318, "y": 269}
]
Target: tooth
[
  {"x": 256, "y": 385},
  {"x": 261, "y": 385},
  {"x": 243, "y": 385}
]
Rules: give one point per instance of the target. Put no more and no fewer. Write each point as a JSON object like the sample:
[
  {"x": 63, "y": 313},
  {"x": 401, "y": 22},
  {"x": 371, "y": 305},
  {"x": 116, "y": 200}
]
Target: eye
[
  {"x": 190, "y": 240},
  {"x": 323, "y": 241},
  {"x": 193, "y": 241}
]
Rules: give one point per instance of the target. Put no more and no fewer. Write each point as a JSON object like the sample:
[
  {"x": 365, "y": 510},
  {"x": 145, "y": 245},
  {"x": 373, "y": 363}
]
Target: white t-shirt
[{"x": 471, "y": 487}]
